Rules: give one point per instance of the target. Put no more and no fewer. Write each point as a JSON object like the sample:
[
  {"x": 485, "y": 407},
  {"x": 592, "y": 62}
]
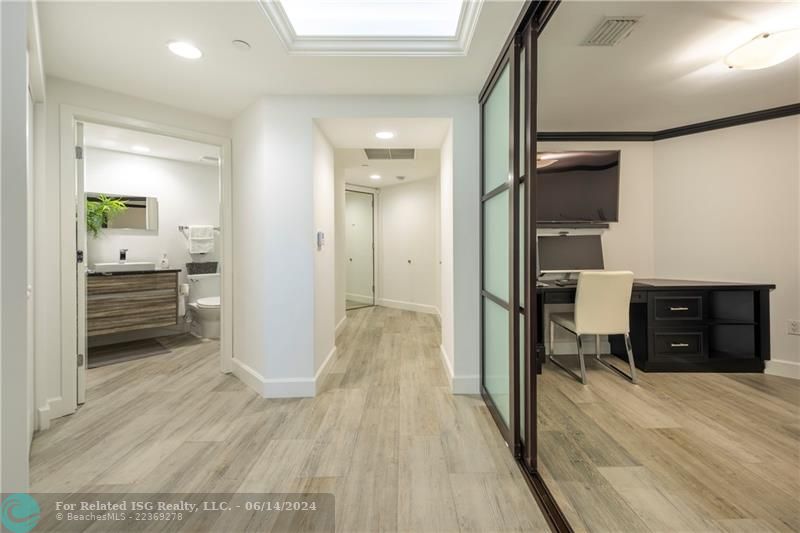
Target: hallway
[{"x": 385, "y": 436}]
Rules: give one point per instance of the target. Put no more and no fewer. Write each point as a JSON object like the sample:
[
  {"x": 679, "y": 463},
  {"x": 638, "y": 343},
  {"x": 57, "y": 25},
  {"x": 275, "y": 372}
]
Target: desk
[{"x": 686, "y": 326}]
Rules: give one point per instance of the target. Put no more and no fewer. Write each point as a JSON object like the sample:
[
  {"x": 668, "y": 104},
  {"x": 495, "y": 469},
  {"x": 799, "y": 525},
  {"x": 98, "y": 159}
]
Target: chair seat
[{"x": 565, "y": 320}]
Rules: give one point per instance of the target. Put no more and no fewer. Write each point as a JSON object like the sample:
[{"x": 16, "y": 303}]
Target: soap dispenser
[{"x": 164, "y": 264}]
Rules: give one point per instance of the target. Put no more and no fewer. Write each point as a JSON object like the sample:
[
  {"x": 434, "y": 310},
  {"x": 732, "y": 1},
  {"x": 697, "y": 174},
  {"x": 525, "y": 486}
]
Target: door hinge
[
  {"x": 79, "y": 256},
  {"x": 79, "y": 152},
  {"x": 80, "y": 359}
]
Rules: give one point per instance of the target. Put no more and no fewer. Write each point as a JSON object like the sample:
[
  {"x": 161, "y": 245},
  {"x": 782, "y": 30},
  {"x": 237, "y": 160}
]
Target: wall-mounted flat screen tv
[{"x": 577, "y": 187}]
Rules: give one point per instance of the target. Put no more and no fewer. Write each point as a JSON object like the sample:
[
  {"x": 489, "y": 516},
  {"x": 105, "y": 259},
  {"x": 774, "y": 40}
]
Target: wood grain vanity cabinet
[{"x": 128, "y": 301}]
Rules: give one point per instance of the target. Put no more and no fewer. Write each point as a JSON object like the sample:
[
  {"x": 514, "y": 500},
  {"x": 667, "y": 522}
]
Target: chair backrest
[{"x": 602, "y": 302}]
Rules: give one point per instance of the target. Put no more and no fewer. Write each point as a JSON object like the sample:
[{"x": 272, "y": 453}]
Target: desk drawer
[
  {"x": 679, "y": 344},
  {"x": 674, "y": 308}
]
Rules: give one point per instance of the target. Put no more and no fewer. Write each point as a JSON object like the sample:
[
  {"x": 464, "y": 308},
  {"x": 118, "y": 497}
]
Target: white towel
[{"x": 201, "y": 239}]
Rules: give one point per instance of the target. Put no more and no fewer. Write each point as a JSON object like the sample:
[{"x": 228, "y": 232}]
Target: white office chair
[{"x": 602, "y": 304}]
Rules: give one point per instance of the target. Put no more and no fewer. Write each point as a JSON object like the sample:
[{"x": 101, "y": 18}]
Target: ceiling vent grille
[
  {"x": 611, "y": 31},
  {"x": 389, "y": 153}
]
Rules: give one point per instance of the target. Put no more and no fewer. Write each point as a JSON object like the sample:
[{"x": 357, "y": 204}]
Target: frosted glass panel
[
  {"x": 495, "y": 245},
  {"x": 496, "y": 143},
  {"x": 521, "y": 132},
  {"x": 521, "y": 249},
  {"x": 495, "y": 352}
]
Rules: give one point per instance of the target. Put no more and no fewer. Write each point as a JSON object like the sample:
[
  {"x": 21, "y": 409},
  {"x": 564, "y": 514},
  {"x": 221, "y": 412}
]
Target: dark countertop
[
  {"x": 671, "y": 284},
  {"x": 129, "y": 272}
]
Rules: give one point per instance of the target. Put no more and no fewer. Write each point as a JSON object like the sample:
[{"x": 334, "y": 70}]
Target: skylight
[
  {"x": 374, "y": 27},
  {"x": 373, "y": 18}
]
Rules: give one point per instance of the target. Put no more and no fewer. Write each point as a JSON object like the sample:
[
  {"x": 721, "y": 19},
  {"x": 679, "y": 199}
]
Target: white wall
[
  {"x": 187, "y": 193},
  {"x": 325, "y": 257},
  {"x": 727, "y": 209},
  {"x": 273, "y": 188},
  {"x": 409, "y": 259},
  {"x": 446, "y": 251},
  {"x": 14, "y": 411},
  {"x": 55, "y": 245}
]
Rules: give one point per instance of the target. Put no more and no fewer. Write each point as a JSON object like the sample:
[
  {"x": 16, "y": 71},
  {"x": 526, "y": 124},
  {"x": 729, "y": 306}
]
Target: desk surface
[{"x": 669, "y": 284}]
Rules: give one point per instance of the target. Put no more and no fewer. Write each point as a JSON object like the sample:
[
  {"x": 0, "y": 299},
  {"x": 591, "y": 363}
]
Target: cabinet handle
[
  {"x": 678, "y": 308},
  {"x": 679, "y": 345}
]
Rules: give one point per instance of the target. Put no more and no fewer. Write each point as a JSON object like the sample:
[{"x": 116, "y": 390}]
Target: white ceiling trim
[{"x": 375, "y": 46}]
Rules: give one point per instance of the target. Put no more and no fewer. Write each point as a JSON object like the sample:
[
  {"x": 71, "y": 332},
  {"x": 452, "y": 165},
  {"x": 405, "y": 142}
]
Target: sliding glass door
[{"x": 499, "y": 269}]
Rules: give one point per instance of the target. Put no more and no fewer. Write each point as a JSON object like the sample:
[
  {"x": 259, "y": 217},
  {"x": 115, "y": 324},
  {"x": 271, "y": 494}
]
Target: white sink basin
[{"x": 129, "y": 266}]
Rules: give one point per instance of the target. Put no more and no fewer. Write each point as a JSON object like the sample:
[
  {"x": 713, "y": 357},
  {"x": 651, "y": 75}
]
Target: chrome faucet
[{"x": 123, "y": 255}]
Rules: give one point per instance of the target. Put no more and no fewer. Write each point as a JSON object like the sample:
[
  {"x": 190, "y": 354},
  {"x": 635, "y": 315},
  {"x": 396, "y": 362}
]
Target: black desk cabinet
[{"x": 689, "y": 326}]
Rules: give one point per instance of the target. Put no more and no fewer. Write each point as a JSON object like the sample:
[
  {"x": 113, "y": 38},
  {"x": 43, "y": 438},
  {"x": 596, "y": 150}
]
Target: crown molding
[
  {"x": 375, "y": 46},
  {"x": 680, "y": 131}
]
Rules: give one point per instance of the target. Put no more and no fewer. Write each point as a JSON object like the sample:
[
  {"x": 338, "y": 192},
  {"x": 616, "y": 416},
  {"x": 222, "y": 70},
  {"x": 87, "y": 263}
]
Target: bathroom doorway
[
  {"x": 151, "y": 255},
  {"x": 360, "y": 242}
]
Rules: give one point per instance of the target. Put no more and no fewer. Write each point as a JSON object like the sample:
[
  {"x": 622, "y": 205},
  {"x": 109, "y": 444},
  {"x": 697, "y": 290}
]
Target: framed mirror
[{"x": 140, "y": 213}]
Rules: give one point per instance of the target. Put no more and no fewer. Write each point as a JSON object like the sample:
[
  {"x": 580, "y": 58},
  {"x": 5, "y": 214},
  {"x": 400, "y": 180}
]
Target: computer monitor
[{"x": 569, "y": 253}]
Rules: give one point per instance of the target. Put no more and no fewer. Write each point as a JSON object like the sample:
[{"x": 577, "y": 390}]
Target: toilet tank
[{"x": 203, "y": 285}]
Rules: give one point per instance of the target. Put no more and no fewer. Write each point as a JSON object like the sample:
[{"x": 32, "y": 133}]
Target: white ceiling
[
  {"x": 353, "y": 164},
  {"x": 120, "y": 46},
  {"x": 409, "y": 132},
  {"x": 123, "y": 140},
  {"x": 669, "y": 72}
]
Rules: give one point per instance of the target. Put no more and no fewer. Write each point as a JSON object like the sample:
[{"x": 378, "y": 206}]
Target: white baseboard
[
  {"x": 786, "y": 369},
  {"x": 274, "y": 388},
  {"x": 340, "y": 325},
  {"x": 408, "y": 306},
  {"x": 53, "y": 408},
  {"x": 323, "y": 366},
  {"x": 466, "y": 385},
  {"x": 359, "y": 298}
]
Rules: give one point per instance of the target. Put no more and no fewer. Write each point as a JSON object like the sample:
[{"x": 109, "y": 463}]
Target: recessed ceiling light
[
  {"x": 384, "y": 135},
  {"x": 765, "y": 50},
  {"x": 242, "y": 46},
  {"x": 184, "y": 50},
  {"x": 375, "y": 177},
  {"x": 140, "y": 148}
]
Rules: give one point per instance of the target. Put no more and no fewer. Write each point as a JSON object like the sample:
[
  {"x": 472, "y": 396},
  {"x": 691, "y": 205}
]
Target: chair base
[{"x": 582, "y": 378}]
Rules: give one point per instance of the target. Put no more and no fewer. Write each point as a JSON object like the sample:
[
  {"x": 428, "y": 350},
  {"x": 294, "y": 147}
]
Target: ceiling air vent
[
  {"x": 611, "y": 31},
  {"x": 389, "y": 153}
]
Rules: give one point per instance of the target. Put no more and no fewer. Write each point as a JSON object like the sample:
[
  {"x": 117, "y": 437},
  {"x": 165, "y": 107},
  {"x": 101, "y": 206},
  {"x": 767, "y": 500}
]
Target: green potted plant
[{"x": 100, "y": 210}]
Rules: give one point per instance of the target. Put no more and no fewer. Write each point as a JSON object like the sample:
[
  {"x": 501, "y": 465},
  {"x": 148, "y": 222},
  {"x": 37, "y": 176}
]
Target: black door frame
[{"x": 524, "y": 36}]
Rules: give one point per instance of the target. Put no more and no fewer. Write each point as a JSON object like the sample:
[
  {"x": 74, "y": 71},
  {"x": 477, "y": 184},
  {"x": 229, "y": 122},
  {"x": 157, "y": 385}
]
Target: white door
[
  {"x": 81, "y": 257},
  {"x": 359, "y": 243}
]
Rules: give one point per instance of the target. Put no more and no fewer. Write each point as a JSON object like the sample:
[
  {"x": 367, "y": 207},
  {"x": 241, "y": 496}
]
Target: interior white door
[
  {"x": 359, "y": 244},
  {"x": 81, "y": 258}
]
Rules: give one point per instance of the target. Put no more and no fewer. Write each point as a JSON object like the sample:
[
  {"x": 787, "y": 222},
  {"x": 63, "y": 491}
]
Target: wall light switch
[{"x": 794, "y": 327}]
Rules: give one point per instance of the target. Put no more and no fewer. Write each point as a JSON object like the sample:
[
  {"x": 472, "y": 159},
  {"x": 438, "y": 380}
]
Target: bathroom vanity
[{"x": 126, "y": 301}]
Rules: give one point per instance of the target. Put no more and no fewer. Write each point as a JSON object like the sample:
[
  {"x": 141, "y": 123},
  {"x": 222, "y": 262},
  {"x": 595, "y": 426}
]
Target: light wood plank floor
[
  {"x": 385, "y": 436},
  {"x": 678, "y": 452}
]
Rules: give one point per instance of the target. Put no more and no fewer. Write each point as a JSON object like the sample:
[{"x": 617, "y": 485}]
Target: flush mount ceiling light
[
  {"x": 765, "y": 50},
  {"x": 140, "y": 148},
  {"x": 184, "y": 50},
  {"x": 242, "y": 46},
  {"x": 370, "y": 28},
  {"x": 375, "y": 177},
  {"x": 385, "y": 135}
]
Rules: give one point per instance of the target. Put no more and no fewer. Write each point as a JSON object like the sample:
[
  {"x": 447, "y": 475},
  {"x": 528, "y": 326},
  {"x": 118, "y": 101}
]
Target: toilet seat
[{"x": 209, "y": 302}]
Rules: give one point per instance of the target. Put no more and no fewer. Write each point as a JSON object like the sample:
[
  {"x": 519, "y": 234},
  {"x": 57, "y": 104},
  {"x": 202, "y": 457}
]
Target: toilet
[{"x": 204, "y": 304}]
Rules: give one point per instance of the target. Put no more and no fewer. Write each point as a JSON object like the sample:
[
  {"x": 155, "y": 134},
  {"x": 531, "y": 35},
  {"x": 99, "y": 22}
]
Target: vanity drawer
[
  {"x": 669, "y": 307},
  {"x": 680, "y": 344},
  {"x": 115, "y": 284}
]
